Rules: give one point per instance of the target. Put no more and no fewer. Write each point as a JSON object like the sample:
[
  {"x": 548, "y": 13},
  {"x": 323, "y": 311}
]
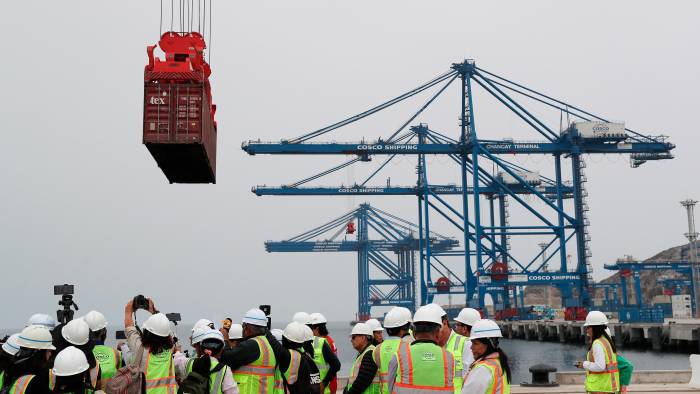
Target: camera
[
  {"x": 120, "y": 335},
  {"x": 174, "y": 317},
  {"x": 140, "y": 302},
  {"x": 66, "y": 292},
  {"x": 267, "y": 309}
]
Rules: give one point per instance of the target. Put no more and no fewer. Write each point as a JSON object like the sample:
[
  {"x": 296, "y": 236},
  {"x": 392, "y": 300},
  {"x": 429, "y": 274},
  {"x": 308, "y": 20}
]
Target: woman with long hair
[
  {"x": 155, "y": 345},
  {"x": 490, "y": 371},
  {"x": 29, "y": 371},
  {"x": 602, "y": 373}
]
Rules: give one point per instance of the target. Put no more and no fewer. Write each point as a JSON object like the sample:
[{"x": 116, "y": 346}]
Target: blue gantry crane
[
  {"x": 486, "y": 262},
  {"x": 385, "y": 245}
]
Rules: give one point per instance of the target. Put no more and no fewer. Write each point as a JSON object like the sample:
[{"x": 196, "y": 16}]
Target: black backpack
[{"x": 196, "y": 383}]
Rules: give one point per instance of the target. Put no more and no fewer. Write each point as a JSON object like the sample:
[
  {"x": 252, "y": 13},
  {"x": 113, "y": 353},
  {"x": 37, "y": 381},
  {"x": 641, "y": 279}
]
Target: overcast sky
[{"x": 85, "y": 203}]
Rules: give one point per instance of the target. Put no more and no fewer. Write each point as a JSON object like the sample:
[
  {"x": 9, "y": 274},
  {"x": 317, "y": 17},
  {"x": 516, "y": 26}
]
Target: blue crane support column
[
  {"x": 423, "y": 179},
  {"x": 565, "y": 291},
  {"x": 363, "y": 264},
  {"x": 464, "y": 128},
  {"x": 582, "y": 269}
]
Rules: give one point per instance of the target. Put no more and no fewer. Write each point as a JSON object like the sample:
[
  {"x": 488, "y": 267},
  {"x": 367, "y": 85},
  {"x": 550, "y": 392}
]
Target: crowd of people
[{"x": 423, "y": 352}]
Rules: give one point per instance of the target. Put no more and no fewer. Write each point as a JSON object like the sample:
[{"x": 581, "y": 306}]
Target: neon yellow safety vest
[
  {"x": 383, "y": 354},
  {"x": 2, "y": 379},
  {"x": 110, "y": 360},
  {"x": 607, "y": 381},
  {"x": 455, "y": 345},
  {"x": 258, "y": 377},
  {"x": 160, "y": 372},
  {"x": 375, "y": 387},
  {"x": 423, "y": 367},
  {"x": 291, "y": 375},
  {"x": 320, "y": 361},
  {"x": 499, "y": 380},
  {"x": 20, "y": 385},
  {"x": 215, "y": 380}
]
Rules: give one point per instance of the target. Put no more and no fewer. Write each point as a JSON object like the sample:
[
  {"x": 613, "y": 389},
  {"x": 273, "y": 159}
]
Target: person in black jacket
[
  {"x": 296, "y": 373},
  {"x": 364, "y": 370}
]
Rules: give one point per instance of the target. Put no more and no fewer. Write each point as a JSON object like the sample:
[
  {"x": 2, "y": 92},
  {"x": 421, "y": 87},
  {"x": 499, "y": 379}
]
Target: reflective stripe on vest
[
  {"x": 292, "y": 373},
  {"x": 2, "y": 378},
  {"x": 258, "y": 377},
  {"x": 109, "y": 360},
  {"x": 424, "y": 368},
  {"x": 499, "y": 381},
  {"x": 20, "y": 385},
  {"x": 607, "y": 380},
  {"x": 160, "y": 372},
  {"x": 375, "y": 386},
  {"x": 382, "y": 357},
  {"x": 455, "y": 345}
]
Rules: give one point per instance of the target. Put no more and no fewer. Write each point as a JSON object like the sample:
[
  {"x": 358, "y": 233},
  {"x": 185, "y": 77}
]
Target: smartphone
[
  {"x": 120, "y": 334},
  {"x": 63, "y": 289},
  {"x": 173, "y": 317}
]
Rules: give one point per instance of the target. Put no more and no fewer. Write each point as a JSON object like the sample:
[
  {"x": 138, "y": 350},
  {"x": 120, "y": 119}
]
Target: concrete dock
[{"x": 672, "y": 334}]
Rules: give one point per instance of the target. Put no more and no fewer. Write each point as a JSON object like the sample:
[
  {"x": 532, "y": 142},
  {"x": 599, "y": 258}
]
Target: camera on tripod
[{"x": 66, "y": 292}]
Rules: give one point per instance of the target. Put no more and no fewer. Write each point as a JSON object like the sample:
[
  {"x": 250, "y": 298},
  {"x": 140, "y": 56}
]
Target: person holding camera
[
  {"x": 255, "y": 359},
  {"x": 29, "y": 372},
  {"x": 154, "y": 344}
]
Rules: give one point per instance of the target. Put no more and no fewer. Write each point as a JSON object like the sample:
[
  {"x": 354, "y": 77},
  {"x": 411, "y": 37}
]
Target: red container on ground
[{"x": 179, "y": 131}]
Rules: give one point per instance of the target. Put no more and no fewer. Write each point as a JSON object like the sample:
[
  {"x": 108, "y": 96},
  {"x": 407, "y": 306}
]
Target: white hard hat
[
  {"x": 374, "y": 324},
  {"x": 317, "y": 318},
  {"x": 277, "y": 333},
  {"x": 361, "y": 329},
  {"x": 158, "y": 324},
  {"x": 11, "y": 346},
  {"x": 596, "y": 318},
  {"x": 255, "y": 317},
  {"x": 295, "y": 332},
  {"x": 396, "y": 317},
  {"x": 468, "y": 316},
  {"x": 42, "y": 319},
  {"x": 76, "y": 332},
  {"x": 209, "y": 333},
  {"x": 301, "y": 317},
  {"x": 70, "y": 361},
  {"x": 428, "y": 314},
  {"x": 485, "y": 329},
  {"x": 309, "y": 334},
  {"x": 235, "y": 331},
  {"x": 35, "y": 337},
  {"x": 202, "y": 323},
  {"x": 437, "y": 308},
  {"x": 95, "y": 320}
]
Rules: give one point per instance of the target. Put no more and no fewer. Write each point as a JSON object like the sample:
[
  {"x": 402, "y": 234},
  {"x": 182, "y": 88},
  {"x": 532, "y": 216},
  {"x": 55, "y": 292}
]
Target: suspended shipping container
[{"x": 179, "y": 129}]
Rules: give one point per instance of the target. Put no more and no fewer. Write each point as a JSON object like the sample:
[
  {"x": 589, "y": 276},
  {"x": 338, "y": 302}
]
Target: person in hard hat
[
  {"x": 235, "y": 335},
  {"x": 324, "y": 353},
  {"x": 29, "y": 371},
  {"x": 109, "y": 358},
  {"x": 301, "y": 318},
  {"x": 490, "y": 371},
  {"x": 377, "y": 331},
  {"x": 42, "y": 319},
  {"x": 208, "y": 344},
  {"x": 155, "y": 345},
  {"x": 363, "y": 376},
  {"x": 70, "y": 372},
  {"x": 602, "y": 374},
  {"x": 464, "y": 321},
  {"x": 9, "y": 348},
  {"x": 295, "y": 374},
  {"x": 456, "y": 344},
  {"x": 255, "y": 358},
  {"x": 397, "y": 322},
  {"x": 422, "y": 365},
  {"x": 76, "y": 333}
]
